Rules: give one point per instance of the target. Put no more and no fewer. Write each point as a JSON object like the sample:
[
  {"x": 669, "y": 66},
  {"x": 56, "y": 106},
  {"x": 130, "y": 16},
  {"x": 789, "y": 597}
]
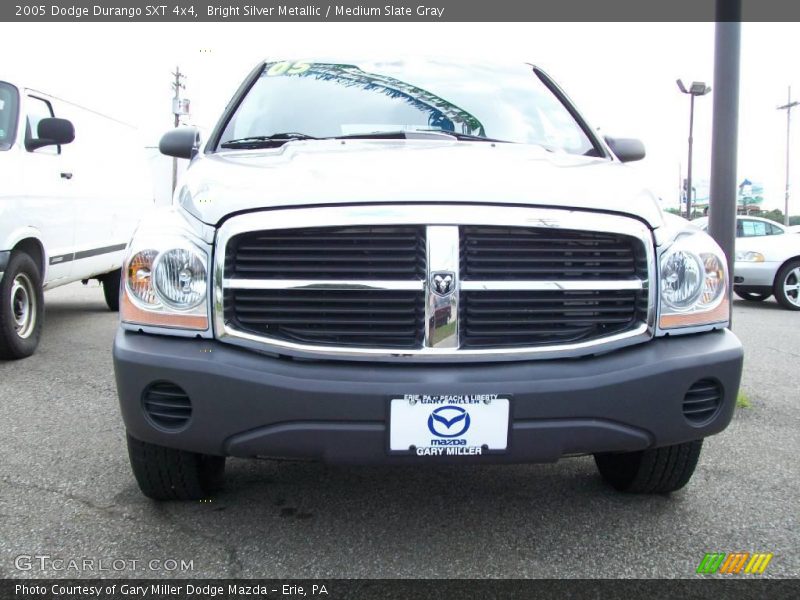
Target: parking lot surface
[{"x": 66, "y": 490}]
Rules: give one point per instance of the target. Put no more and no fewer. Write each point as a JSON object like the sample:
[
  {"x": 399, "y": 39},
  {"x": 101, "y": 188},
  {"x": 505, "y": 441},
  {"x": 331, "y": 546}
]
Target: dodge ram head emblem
[{"x": 442, "y": 283}]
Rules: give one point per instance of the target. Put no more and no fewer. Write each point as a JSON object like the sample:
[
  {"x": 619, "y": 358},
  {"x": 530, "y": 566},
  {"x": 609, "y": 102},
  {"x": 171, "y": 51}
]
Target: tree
[{"x": 775, "y": 214}]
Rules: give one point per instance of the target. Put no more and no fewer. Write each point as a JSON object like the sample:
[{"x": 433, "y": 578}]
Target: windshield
[
  {"x": 8, "y": 115},
  {"x": 323, "y": 100}
]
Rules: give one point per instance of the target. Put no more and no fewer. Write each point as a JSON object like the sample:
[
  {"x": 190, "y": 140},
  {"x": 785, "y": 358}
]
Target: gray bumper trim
[{"x": 248, "y": 404}]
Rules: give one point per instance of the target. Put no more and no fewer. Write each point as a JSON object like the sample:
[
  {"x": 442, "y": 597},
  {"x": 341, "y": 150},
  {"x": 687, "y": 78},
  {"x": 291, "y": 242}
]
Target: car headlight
[
  {"x": 755, "y": 257},
  {"x": 179, "y": 278},
  {"x": 139, "y": 277},
  {"x": 693, "y": 283},
  {"x": 165, "y": 284}
]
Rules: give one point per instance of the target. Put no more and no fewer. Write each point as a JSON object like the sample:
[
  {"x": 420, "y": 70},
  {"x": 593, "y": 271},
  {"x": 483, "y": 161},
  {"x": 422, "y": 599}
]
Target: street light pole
[
  {"x": 788, "y": 108},
  {"x": 689, "y": 169},
  {"x": 698, "y": 88}
]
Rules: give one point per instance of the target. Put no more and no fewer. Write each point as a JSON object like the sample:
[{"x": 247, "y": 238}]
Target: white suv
[{"x": 411, "y": 262}]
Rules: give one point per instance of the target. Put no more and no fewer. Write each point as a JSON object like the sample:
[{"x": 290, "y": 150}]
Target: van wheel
[
  {"x": 169, "y": 474},
  {"x": 21, "y": 307},
  {"x": 655, "y": 471},
  {"x": 111, "y": 289},
  {"x": 787, "y": 285}
]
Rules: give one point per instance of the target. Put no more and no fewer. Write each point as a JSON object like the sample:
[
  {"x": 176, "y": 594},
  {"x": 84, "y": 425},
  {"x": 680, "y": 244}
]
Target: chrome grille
[
  {"x": 531, "y": 318},
  {"x": 519, "y": 253},
  {"x": 536, "y": 317},
  {"x": 470, "y": 283},
  {"x": 329, "y": 252},
  {"x": 326, "y": 315},
  {"x": 338, "y": 317}
]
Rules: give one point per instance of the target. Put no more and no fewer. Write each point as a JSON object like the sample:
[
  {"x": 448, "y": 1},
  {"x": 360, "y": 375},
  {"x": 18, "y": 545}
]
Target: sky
[{"x": 621, "y": 76}]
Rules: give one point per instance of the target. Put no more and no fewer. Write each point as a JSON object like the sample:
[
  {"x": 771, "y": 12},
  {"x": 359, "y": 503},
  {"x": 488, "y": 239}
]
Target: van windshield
[
  {"x": 9, "y": 101},
  {"x": 300, "y": 100}
]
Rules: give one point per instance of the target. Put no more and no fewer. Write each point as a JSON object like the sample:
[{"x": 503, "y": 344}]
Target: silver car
[{"x": 767, "y": 261}]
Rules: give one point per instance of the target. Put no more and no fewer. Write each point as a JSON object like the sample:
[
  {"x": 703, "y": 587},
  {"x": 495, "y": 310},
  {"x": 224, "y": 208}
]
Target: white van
[{"x": 73, "y": 185}]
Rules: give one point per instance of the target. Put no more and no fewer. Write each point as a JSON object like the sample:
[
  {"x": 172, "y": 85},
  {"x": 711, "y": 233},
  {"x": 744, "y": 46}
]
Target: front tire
[
  {"x": 110, "y": 283},
  {"x": 169, "y": 474},
  {"x": 21, "y": 307},
  {"x": 787, "y": 285},
  {"x": 654, "y": 471},
  {"x": 751, "y": 296}
]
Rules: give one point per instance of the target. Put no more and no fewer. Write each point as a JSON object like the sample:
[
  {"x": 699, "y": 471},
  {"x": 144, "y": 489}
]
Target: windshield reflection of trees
[{"x": 442, "y": 113}]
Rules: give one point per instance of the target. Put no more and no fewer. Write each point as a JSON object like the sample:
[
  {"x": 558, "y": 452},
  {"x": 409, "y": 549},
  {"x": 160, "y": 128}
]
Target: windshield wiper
[
  {"x": 278, "y": 139},
  {"x": 411, "y": 134},
  {"x": 266, "y": 141},
  {"x": 468, "y": 137}
]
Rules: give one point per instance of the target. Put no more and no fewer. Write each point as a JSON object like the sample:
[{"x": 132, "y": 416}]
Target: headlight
[
  {"x": 749, "y": 257},
  {"x": 180, "y": 278},
  {"x": 681, "y": 280},
  {"x": 693, "y": 283},
  {"x": 139, "y": 277},
  {"x": 165, "y": 284}
]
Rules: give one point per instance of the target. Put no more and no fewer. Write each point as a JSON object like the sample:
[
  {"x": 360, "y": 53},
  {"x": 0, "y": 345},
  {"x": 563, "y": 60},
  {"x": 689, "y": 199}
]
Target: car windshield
[
  {"x": 300, "y": 100},
  {"x": 8, "y": 115}
]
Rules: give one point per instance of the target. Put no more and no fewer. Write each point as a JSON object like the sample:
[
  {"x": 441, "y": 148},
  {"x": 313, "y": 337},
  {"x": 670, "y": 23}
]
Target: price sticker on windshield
[{"x": 287, "y": 68}]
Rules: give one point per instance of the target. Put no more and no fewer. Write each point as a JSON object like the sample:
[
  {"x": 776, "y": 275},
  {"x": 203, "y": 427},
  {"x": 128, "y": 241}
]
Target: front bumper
[
  {"x": 248, "y": 404},
  {"x": 750, "y": 274}
]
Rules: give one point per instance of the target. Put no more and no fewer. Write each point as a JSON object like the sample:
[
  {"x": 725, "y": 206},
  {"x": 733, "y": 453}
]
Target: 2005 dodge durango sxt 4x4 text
[{"x": 406, "y": 262}]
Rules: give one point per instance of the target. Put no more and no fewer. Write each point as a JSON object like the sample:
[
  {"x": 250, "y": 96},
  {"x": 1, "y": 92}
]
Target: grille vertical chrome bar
[{"x": 441, "y": 287}]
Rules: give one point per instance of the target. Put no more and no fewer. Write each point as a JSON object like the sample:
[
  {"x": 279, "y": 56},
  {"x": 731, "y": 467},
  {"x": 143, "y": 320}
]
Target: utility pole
[
  {"x": 177, "y": 110},
  {"x": 788, "y": 108},
  {"x": 725, "y": 129}
]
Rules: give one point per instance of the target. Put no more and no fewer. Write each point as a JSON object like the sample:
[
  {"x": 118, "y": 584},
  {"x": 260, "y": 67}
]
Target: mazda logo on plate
[
  {"x": 442, "y": 282},
  {"x": 449, "y": 421}
]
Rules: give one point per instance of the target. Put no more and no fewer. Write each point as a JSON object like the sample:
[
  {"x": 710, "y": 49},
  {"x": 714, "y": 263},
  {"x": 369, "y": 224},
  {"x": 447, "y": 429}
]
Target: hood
[{"x": 401, "y": 171}]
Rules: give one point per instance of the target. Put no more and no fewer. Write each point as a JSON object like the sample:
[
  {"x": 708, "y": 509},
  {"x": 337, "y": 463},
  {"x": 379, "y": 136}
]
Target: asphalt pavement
[{"x": 67, "y": 493}]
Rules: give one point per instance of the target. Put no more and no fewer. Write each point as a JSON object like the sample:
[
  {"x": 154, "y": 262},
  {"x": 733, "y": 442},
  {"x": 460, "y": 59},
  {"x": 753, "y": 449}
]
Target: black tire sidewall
[
  {"x": 778, "y": 291},
  {"x": 653, "y": 471},
  {"x": 751, "y": 296},
  {"x": 11, "y": 345},
  {"x": 170, "y": 474},
  {"x": 111, "y": 283}
]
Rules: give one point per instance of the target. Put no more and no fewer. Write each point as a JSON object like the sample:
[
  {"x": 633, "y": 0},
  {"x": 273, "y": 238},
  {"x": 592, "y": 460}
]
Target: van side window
[
  {"x": 9, "y": 102},
  {"x": 38, "y": 109}
]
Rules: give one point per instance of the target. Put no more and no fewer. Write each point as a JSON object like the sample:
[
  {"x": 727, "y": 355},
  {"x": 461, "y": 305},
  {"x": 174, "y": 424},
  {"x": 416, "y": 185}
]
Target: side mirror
[
  {"x": 181, "y": 142},
  {"x": 626, "y": 149},
  {"x": 52, "y": 131}
]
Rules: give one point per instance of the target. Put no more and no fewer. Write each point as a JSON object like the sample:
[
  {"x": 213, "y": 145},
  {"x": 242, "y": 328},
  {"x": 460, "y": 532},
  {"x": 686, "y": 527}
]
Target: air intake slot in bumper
[
  {"x": 702, "y": 401},
  {"x": 167, "y": 405}
]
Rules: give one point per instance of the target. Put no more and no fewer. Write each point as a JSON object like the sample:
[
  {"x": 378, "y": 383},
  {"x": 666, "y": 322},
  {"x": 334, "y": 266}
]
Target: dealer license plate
[{"x": 458, "y": 425}]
